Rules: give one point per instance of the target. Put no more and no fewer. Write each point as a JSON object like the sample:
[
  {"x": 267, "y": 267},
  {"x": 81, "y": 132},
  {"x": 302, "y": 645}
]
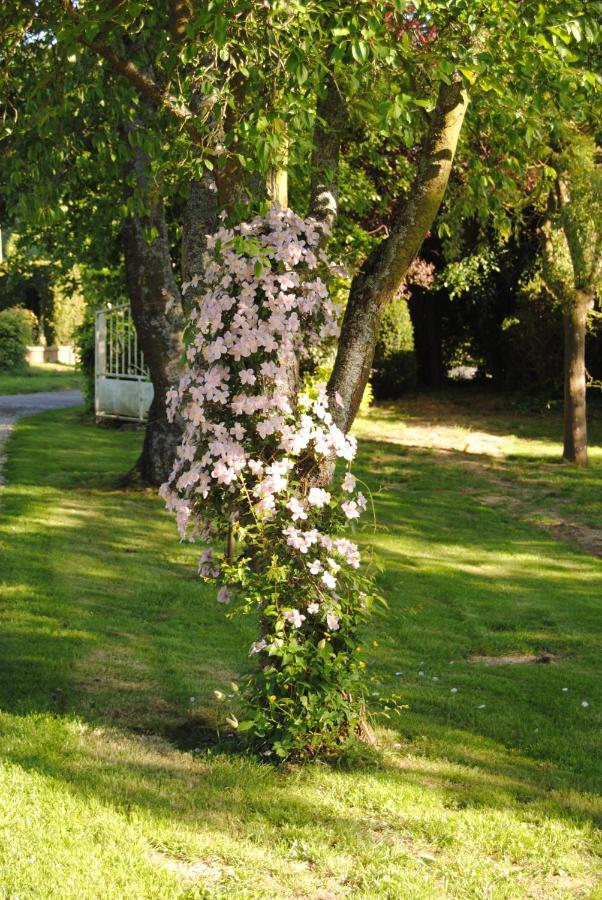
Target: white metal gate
[{"x": 122, "y": 383}]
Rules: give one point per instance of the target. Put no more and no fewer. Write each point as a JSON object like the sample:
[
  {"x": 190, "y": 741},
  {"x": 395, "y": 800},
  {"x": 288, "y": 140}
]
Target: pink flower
[
  {"x": 269, "y": 370},
  {"x": 296, "y": 509},
  {"x": 349, "y": 482},
  {"x": 329, "y": 580},
  {"x": 318, "y": 497},
  {"x": 350, "y": 509},
  {"x": 294, "y": 618},
  {"x": 238, "y": 431}
]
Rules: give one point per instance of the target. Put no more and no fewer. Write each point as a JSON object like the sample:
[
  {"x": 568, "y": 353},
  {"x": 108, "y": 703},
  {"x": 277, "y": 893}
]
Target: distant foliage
[
  {"x": 84, "y": 339},
  {"x": 16, "y": 332},
  {"x": 394, "y": 368},
  {"x": 531, "y": 342}
]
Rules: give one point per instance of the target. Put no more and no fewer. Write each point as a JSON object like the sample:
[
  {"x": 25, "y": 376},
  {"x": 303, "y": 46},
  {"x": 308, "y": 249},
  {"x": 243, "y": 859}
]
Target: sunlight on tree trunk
[
  {"x": 575, "y": 421},
  {"x": 385, "y": 268}
]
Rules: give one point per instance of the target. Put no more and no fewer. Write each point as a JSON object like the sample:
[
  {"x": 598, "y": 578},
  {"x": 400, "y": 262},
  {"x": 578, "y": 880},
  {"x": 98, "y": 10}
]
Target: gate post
[{"x": 100, "y": 356}]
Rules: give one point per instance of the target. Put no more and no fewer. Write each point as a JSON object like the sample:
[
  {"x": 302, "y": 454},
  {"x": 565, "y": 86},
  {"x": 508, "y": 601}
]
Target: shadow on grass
[
  {"x": 475, "y": 407},
  {"x": 105, "y": 621}
]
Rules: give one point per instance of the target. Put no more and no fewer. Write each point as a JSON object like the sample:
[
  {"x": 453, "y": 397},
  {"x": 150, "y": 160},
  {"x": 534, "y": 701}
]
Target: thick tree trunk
[
  {"x": 151, "y": 282},
  {"x": 575, "y": 419},
  {"x": 385, "y": 268}
]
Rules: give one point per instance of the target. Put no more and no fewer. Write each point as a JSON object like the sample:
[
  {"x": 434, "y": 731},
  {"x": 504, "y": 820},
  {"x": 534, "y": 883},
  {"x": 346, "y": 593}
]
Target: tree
[
  {"x": 572, "y": 268},
  {"x": 245, "y": 91}
]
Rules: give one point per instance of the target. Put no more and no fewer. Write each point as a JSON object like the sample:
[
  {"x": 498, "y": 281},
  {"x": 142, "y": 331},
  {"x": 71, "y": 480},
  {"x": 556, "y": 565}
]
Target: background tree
[{"x": 572, "y": 268}]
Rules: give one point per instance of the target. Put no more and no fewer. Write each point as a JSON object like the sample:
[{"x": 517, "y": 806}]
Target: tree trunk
[
  {"x": 575, "y": 419},
  {"x": 151, "y": 282},
  {"x": 200, "y": 219},
  {"x": 385, "y": 268}
]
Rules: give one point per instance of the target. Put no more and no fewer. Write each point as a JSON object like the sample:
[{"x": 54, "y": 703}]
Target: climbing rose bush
[{"x": 253, "y": 480}]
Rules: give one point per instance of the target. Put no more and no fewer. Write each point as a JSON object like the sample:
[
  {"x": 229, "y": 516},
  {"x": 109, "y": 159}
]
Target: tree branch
[
  {"x": 330, "y": 121},
  {"x": 144, "y": 84},
  {"x": 383, "y": 271}
]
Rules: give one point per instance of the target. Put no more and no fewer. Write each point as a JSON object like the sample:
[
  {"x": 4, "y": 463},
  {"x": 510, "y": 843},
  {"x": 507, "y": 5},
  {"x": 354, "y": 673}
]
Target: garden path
[{"x": 15, "y": 406}]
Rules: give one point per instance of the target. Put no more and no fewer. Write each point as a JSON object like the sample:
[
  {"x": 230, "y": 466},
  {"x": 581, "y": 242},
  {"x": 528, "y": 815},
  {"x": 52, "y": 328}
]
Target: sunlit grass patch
[
  {"x": 42, "y": 377},
  {"x": 111, "y": 649}
]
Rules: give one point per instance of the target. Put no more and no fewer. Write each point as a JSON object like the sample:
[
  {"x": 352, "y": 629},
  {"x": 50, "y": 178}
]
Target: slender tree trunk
[
  {"x": 575, "y": 419},
  {"x": 385, "y": 268},
  {"x": 151, "y": 282}
]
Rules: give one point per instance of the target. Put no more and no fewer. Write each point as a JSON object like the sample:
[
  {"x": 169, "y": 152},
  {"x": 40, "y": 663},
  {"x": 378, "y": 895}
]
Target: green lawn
[
  {"x": 45, "y": 377},
  {"x": 487, "y": 786}
]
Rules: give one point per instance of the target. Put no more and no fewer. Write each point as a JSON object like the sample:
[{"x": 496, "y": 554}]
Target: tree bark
[
  {"x": 575, "y": 418},
  {"x": 200, "y": 219},
  {"x": 151, "y": 282},
  {"x": 385, "y": 268}
]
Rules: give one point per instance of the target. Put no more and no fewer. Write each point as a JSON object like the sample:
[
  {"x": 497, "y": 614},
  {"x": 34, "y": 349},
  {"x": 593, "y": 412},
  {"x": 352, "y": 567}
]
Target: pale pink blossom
[
  {"x": 224, "y": 595},
  {"x": 349, "y": 482},
  {"x": 318, "y": 497},
  {"x": 294, "y": 618},
  {"x": 350, "y": 508},
  {"x": 296, "y": 509},
  {"x": 329, "y": 580}
]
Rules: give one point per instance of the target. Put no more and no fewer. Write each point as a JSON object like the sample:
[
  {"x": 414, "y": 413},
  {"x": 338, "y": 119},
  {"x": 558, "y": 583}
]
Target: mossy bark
[{"x": 383, "y": 271}]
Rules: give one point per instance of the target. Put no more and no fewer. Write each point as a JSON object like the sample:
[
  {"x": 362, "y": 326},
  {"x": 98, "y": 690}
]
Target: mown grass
[
  {"x": 44, "y": 377},
  {"x": 110, "y": 649}
]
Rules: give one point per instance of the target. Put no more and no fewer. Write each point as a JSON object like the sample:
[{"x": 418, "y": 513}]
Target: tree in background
[{"x": 572, "y": 269}]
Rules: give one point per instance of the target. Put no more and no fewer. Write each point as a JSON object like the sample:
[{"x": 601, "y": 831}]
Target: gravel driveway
[{"x": 15, "y": 406}]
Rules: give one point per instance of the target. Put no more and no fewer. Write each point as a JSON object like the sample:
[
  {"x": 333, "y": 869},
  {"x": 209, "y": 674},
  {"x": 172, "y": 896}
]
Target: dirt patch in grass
[
  {"x": 202, "y": 869},
  {"x": 549, "y": 519},
  {"x": 515, "y": 659},
  {"x": 588, "y": 539}
]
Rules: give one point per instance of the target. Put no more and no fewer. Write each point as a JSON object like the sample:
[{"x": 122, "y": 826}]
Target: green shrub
[
  {"x": 84, "y": 338},
  {"x": 16, "y": 332},
  {"x": 532, "y": 344},
  {"x": 394, "y": 367}
]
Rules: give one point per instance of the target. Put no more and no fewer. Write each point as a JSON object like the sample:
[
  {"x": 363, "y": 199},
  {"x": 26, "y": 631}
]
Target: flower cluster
[{"x": 249, "y": 471}]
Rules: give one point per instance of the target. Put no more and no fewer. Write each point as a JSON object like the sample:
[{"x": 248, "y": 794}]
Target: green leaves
[{"x": 360, "y": 51}]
